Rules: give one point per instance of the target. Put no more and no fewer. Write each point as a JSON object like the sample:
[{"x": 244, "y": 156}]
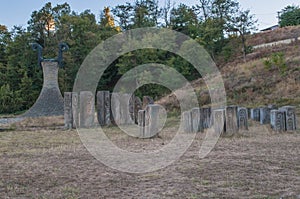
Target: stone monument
[
  {"x": 242, "y": 118},
  {"x": 231, "y": 119},
  {"x": 277, "y": 120},
  {"x": 50, "y": 101},
  {"x": 289, "y": 117},
  {"x": 219, "y": 121}
]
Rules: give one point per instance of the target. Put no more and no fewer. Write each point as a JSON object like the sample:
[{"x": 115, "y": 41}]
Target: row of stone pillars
[
  {"x": 111, "y": 109},
  {"x": 232, "y": 119},
  {"x": 280, "y": 119},
  {"x": 125, "y": 109}
]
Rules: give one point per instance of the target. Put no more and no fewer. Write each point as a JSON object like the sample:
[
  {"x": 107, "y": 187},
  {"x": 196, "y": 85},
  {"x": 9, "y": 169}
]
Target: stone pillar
[
  {"x": 50, "y": 101},
  {"x": 255, "y": 114},
  {"x": 219, "y": 121},
  {"x": 206, "y": 119},
  {"x": 112, "y": 119},
  {"x": 103, "y": 108},
  {"x": 151, "y": 120},
  {"x": 249, "y": 112},
  {"x": 121, "y": 108},
  {"x": 231, "y": 119},
  {"x": 290, "y": 117},
  {"x": 196, "y": 120},
  {"x": 277, "y": 120},
  {"x": 264, "y": 115},
  {"x": 141, "y": 123},
  {"x": 68, "y": 116},
  {"x": 243, "y": 118},
  {"x": 186, "y": 121},
  {"x": 135, "y": 104},
  {"x": 87, "y": 109},
  {"x": 75, "y": 109}
]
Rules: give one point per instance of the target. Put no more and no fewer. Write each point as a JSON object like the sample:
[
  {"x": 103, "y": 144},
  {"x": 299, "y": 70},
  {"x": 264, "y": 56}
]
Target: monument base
[{"x": 50, "y": 102}]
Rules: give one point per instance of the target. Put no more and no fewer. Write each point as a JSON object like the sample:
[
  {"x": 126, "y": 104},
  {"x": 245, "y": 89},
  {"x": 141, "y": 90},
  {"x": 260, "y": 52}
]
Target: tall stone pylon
[{"x": 50, "y": 101}]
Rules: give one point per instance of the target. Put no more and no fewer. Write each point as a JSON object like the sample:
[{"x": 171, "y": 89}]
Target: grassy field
[{"x": 39, "y": 160}]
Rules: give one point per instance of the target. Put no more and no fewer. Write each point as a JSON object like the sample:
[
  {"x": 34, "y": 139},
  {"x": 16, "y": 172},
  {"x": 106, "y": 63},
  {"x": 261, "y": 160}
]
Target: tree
[
  {"x": 184, "y": 20},
  {"x": 166, "y": 13},
  {"x": 124, "y": 14},
  {"x": 224, "y": 9},
  {"x": 204, "y": 8},
  {"x": 42, "y": 25},
  {"x": 289, "y": 16},
  {"x": 214, "y": 16},
  {"x": 211, "y": 36},
  {"x": 243, "y": 23},
  {"x": 146, "y": 13},
  {"x": 81, "y": 32},
  {"x": 7, "y": 100},
  {"x": 143, "y": 13},
  {"x": 5, "y": 37}
]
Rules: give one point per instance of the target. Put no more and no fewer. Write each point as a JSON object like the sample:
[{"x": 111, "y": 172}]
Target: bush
[{"x": 276, "y": 61}]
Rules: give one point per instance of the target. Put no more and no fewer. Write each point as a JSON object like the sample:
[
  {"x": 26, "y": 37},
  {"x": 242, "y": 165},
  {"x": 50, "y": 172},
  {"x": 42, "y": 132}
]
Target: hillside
[
  {"x": 288, "y": 32},
  {"x": 260, "y": 80}
]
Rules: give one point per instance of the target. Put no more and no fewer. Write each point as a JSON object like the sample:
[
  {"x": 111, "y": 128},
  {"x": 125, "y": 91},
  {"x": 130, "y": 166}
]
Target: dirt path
[{"x": 54, "y": 164}]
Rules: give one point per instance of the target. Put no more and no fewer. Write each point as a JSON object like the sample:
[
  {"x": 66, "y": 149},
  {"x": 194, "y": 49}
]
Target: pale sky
[{"x": 17, "y": 12}]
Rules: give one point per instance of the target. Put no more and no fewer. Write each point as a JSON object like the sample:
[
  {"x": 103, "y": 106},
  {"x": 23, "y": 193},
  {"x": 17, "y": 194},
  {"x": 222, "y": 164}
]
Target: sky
[{"x": 18, "y": 12}]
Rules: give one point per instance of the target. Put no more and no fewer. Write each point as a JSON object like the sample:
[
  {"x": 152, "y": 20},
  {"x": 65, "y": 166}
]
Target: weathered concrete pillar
[
  {"x": 255, "y": 114},
  {"x": 249, "y": 112},
  {"x": 277, "y": 120},
  {"x": 103, "y": 108},
  {"x": 132, "y": 107},
  {"x": 135, "y": 106},
  {"x": 196, "y": 120},
  {"x": 264, "y": 115},
  {"x": 219, "y": 121},
  {"x": 231, "y": 119},
  {"x": 290, "y": 117},
  {"x": 206, "y": 119},
  {"x": 141, "y": 123},
  {"x": 50, "y": 102},
  {"x": 68, "y": 115},
  {"x": 186, "y": 121},
  {"x": 121, "y": 108},
  {"x": 87, "y": 109},
  {"x": 75, "y": 109},
  {"x": 116, "y": 108},
  {"x": 242, "y": 118},
  {"x": 151, "y": 120}
]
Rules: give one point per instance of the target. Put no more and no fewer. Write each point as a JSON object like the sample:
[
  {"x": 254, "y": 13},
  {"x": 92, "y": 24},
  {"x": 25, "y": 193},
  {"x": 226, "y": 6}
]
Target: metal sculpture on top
[{"x": 62, "y": 47}]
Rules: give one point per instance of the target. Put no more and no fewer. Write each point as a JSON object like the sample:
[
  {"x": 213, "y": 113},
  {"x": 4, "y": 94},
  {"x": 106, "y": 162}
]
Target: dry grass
[
  {"x": 252, "y": 84},
  {"x": 54, "y": 122},
  {"x": 54, "y": 164}
]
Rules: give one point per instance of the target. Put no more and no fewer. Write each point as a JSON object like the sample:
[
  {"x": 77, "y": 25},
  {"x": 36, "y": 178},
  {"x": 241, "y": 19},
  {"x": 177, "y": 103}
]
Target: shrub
[{"x": 276, "y": 61}]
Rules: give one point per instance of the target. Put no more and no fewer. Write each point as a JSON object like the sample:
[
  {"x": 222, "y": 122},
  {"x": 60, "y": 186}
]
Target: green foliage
[
  {"x": 184, "y": 19},
  {"x": 289, "y": 16},
  {"x": 276, "y": 61},
  {"x": 21, "y": 78},
  {"x": 8, "y": 101}
]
